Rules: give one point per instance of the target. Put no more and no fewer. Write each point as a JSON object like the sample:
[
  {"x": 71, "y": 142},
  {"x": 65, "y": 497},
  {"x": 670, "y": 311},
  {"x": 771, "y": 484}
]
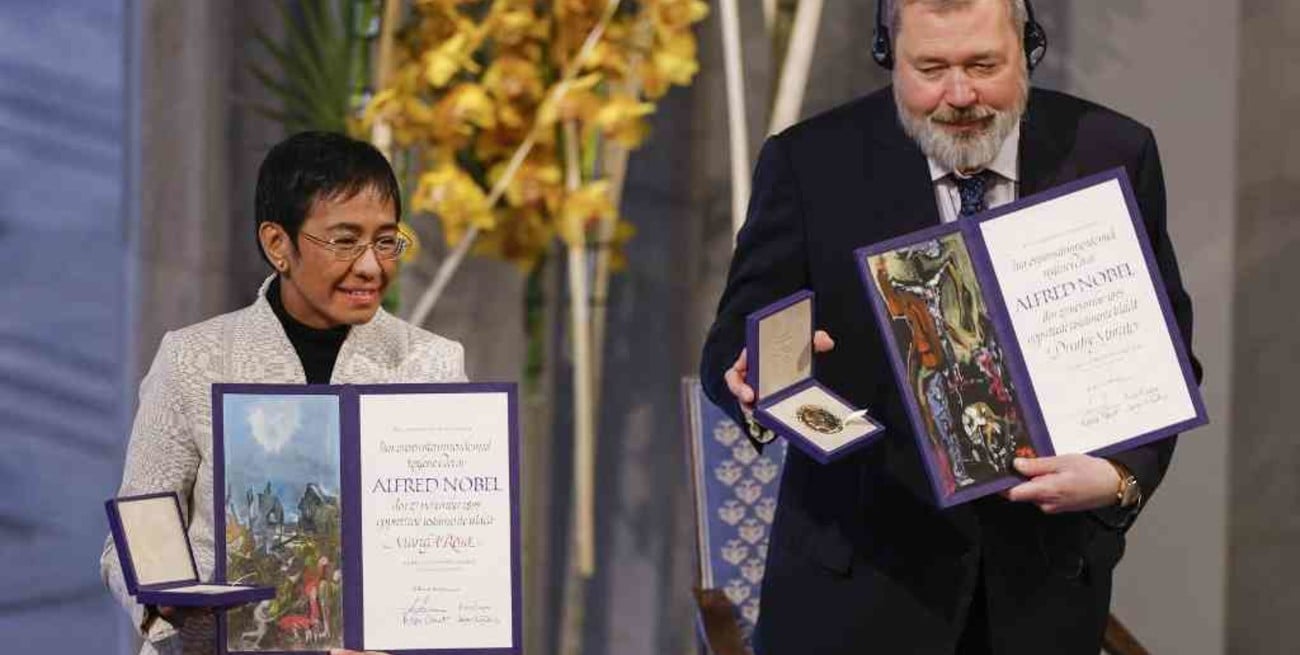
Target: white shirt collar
[{"x": 1004, "y": 164}]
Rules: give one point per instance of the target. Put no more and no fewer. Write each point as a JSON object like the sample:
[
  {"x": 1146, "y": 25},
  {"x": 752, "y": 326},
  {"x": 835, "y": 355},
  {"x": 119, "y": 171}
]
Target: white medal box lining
[
  {"x": 787, "y": 409},
  {"x": 785, "y": 348},
  {"x": 156, "y": 540}
]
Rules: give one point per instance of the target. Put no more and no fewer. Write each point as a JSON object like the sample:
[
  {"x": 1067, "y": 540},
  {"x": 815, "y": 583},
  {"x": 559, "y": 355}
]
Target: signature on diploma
[
  {"x": 1143, "y": 397},
  {"x": 476, "y": 612},
  {"x": 422, "y": 612}
]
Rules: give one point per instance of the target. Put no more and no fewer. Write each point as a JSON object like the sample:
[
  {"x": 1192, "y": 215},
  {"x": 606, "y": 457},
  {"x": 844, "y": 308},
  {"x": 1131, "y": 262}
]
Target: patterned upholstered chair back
[{"x": 735, "y": 490}]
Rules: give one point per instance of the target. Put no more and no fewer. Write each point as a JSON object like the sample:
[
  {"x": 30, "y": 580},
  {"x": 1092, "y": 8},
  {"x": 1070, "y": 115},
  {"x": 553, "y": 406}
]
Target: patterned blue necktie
[{"x": 972, "y": 191}]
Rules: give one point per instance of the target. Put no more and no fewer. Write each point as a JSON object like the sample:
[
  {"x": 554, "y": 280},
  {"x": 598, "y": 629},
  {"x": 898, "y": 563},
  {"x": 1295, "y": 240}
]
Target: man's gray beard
[{"x": 969, "y": 152}]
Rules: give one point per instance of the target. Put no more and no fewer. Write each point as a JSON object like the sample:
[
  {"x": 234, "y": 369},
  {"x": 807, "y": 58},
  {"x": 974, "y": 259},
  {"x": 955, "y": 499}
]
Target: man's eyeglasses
[{"x": 347, "y": 249}]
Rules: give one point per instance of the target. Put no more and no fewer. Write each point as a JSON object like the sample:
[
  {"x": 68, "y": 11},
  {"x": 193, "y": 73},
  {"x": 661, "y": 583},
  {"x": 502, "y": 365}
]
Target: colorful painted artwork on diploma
[
  {"x": 282, "y": 520},
  {"x": 954, "y": 364}
]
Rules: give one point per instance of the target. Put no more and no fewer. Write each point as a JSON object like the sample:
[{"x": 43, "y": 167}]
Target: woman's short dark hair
[{"x": 312, "y": 166}]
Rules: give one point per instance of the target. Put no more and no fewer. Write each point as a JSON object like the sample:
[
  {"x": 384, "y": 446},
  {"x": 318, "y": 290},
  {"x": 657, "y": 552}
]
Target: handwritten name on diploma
[
  {"x": 422, "y": 612},
  {"x": 446, "y": 484},
  {"x": 425, "y": 610},
  {"x": 452, "y": 542}
]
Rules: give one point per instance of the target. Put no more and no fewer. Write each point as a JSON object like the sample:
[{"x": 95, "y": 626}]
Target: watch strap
[{"x": 1128, "y": 494}]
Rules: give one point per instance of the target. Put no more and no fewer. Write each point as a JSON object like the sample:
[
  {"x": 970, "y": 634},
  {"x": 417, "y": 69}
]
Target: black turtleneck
[{"x": 316, "y": 348}]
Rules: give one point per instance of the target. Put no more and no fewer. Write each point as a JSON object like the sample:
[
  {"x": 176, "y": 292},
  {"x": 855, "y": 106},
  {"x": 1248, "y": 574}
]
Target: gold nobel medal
[{"x": 819, "y": 418}]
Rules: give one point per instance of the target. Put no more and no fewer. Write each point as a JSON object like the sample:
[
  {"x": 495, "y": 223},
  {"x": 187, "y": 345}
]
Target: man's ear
[{"x": 275, "y": 244}]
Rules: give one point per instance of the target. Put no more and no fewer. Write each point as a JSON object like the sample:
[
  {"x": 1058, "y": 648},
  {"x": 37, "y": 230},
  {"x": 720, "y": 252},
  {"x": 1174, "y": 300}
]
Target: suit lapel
[
  {"x": 911, "y": 194},
  {"x": 1043, "y": 163},
  {"x": 899, "y": 184}
]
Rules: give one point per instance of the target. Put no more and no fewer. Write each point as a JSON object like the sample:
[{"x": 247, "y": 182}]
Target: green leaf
[
  {"x": 321, "y": 62},
  {"x": 298, "y": 47},
  {"x": 293, "y": 69},
  {"x": 278, "y": 115},
  {"x": 288, "y": 94}
]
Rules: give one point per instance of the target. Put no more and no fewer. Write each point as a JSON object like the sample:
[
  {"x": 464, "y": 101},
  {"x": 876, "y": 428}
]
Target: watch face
[{"x": 1131, "y": 494}]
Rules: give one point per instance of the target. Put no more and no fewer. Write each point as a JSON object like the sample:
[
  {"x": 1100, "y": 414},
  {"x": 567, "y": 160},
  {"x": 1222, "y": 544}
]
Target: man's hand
[
  {"x": 739, "y": 386},
  {"x": 1066, "y": 483}
]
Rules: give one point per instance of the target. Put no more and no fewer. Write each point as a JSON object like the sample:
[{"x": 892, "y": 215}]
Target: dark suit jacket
[{"x": 862, "y": 560}]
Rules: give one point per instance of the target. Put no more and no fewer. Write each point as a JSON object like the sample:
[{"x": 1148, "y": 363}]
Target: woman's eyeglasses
[{"x": 347, "y": 249}]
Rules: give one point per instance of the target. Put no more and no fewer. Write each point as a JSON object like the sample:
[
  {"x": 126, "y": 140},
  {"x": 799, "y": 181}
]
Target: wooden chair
[{"x": 1119, "y": 641}]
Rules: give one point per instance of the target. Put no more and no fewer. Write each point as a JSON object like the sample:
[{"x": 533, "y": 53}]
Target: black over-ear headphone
[{"x": 882, "y": 49}]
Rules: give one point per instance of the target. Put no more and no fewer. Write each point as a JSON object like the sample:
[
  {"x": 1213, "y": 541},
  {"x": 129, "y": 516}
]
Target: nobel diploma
[{"x": 436, "y": 521}]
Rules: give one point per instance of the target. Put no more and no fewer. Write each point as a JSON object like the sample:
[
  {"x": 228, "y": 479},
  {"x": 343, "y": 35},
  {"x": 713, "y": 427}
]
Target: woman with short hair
[{"x": 327, "y": 212}]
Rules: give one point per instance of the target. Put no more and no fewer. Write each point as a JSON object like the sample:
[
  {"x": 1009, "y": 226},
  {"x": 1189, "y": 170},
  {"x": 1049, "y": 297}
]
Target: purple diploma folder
[
  {"x": 386, "y": 516},
  {"x": 1038, "y": 328},
  {"x": 157, "y": 561},
  {"x": 790, "y": 400}
]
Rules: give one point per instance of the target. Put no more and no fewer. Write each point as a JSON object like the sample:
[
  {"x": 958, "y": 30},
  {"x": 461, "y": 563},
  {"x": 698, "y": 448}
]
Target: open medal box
[
  {"x": 789, "y": 399},
  {"x": 157, "y": 561}
]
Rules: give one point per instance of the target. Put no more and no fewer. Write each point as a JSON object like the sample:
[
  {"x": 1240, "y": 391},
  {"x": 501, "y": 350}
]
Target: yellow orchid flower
[
  {"x": 609, "y": 56},
  {"x": 677, "y": 14},
  {"x": 450, "y": 99},
  {"x": 441, "y": 5},
  {"x": 581, "y": 207},
  {"x": 465, "y": 107},
  {"x": 567, "y": 9},
  {"x": 672, "y": 62},
  {"x": 579, "y": 101},
  {"x": 432, "y": 26},
  {"x": 382, "y": 105},
  {"x": 538, "y": 184},
  {"x": 574, "y": 20},
  {"x": 514, "y": 79},
  {"x": 455, "y": 54},
  {"x": 623, "y": 233},
  {"x": 676, "y": 57},
  {"x": 513, "y": 25},
  {"x": 501, "y": 141},
  {"x": 654, "y": 83},
  {"x": 522, "y": 238},
  {"x": 418, "y": 112},
  {"x": 407, "y": 71},
  {"x": 408, "y": 116},
  {"x": 620, "y": 120},
  {"x": 455, "y": 198},
  {"x": 514, "y": 118}
]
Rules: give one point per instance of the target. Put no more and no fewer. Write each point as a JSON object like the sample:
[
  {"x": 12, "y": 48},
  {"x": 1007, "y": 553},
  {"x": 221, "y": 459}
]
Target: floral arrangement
[{"x": 474, "y": 82}]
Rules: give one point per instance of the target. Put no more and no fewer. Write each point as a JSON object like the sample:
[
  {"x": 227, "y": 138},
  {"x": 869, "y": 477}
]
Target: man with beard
[{"x": 861, "y": 560}]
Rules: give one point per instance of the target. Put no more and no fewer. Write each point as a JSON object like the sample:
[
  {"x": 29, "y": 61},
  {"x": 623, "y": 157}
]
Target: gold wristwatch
[{"x": 1129, "y": 493}]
